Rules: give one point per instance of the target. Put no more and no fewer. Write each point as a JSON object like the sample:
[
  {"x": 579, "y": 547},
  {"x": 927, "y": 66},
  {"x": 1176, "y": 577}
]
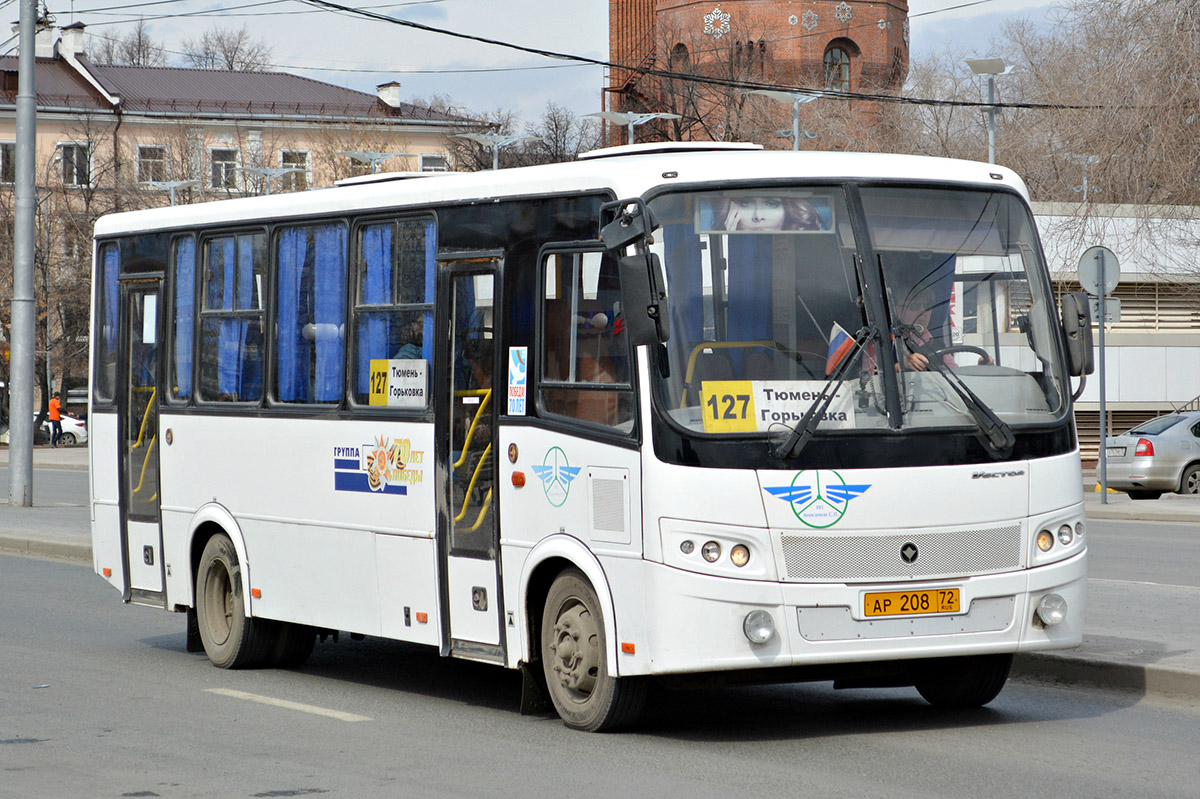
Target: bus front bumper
[{"x": 698, "y": 623}]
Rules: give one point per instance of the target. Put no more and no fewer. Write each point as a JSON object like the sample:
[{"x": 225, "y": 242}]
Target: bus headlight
[
  {"x": 758, "y": 626},
  {"x": 1052, "y": 609},
  {"x": 1045, "y": 540},
  {"x": 711, "y": 551},
  {"x": 1066, "y": 534}
]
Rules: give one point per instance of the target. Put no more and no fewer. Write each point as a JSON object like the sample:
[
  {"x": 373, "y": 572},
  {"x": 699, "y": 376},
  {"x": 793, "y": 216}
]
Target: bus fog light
[
  {"x": 711, "y": 551},
  {"x": 687, "y": 547},
  {"x": 1045, "y": 540},
  {"x": 740, "y": 555},
  {"x": 758, "y": 626},
  {"x": 1066, "y": 534},
  {"x": 1079, "y": 529},
  {"x": 1052, "y": 609}
]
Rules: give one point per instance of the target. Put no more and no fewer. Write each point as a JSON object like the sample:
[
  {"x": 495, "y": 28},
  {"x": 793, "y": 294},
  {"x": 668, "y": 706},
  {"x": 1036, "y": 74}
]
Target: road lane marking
[
  {"x": 303, "y": 708},
  {"x": 1142, "y": 582}
]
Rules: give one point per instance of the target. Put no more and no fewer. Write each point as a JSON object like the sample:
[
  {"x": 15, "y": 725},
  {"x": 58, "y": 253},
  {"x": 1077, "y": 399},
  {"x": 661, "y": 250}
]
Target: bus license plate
[{"x": 909, "y": 603}]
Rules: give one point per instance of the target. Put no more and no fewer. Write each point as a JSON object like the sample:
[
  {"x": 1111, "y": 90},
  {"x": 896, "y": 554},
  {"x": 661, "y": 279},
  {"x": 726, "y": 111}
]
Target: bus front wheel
[
  {"x": 231, "y": 639},
  {"x": 573, "y": 649},
  {"x": 962, "y": 682}
]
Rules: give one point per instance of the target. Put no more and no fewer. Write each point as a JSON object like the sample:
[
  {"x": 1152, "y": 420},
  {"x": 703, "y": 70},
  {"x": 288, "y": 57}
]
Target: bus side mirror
[
  {"x": 643, "y": 290},
  {"x": 644, "y": 303},
  {"x": 1077, "y": 325}
]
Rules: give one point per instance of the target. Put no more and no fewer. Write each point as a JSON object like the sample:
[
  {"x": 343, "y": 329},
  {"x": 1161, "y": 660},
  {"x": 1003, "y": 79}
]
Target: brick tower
[{"x": 839, "y": 45}]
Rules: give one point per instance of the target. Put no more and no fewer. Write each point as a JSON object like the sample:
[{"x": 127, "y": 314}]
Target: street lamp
[
  {"x": 990, "y": 68},
  {"x": 1085, "y": 161},
  {"x": 169, "y": 185},
  {"x": 631, "y": 120},
  {"x": 270, "y": 172},
  {"x": 495, "y": 141},
  {"x": 372, "y": 159},
  {"x": 797, "y": 99}
]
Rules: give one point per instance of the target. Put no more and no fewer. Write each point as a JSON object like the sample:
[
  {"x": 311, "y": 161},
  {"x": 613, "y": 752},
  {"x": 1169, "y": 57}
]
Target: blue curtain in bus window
[
  {"x": 374, "y": 329},
  {"x": 329, "y": 311},
  {"x": 684, "y": 282},
  {"x": 292, "y": 349},
  {"x": 111, "y": 314},
  {"x": 749, "y": 298},
  {"x": 185, "y": 306}
]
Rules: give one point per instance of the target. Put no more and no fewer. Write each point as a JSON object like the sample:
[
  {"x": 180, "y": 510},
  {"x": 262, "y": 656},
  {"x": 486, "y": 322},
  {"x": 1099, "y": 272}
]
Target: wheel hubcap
[
  {"x": 576, "y": 651},
  {"x": 219, "y": 601}
]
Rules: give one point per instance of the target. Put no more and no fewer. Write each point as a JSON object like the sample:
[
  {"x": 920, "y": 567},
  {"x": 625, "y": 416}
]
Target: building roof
[{"x": 204, "y": 92}]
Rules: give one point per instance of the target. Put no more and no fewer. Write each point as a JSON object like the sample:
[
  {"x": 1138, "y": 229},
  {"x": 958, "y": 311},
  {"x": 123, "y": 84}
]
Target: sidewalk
[{"x": 1139, "y": 637}]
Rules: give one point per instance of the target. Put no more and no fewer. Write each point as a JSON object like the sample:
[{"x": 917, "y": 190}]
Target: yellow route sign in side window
[{"x": 727, "y": 406}]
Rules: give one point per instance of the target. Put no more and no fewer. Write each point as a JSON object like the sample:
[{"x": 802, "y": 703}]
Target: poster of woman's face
[{"x": 764, "y": 212}]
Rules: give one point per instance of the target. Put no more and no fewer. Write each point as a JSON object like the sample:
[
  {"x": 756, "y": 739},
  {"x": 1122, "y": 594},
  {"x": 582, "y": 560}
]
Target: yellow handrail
[
  {"x": 471, "y": 485},
  {"x": 486, "y": 393},
  {"x": 487, "y": 501},
  {"x": 145, "y": 464},
  {"x": 145, "y": 418}
]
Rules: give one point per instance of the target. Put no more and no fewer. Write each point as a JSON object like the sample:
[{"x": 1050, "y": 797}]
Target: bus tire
[
  {"x": 963, "y": 682},
  {"x": 574, "y": 659},
  {"x": 231, "y": 639},
  {"x": 291, "y": 645}
]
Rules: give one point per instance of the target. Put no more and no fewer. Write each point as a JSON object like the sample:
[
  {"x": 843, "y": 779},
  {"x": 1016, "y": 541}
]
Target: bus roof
[{"x": 625, "y": 174}]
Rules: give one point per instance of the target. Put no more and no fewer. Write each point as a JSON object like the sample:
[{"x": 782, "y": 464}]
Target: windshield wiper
[
  {"x": 996, "y": 432},
  {"x": 803, "y": 432}
]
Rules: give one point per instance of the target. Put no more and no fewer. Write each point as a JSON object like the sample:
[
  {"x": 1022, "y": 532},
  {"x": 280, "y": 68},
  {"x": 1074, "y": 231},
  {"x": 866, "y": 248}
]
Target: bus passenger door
[
  {"x": 141, "y": 533},
  {"x": 466, "y": 426}
]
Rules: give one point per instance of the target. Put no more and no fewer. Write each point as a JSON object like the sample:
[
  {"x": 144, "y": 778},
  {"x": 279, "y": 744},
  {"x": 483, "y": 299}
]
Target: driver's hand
[{"x": 917, "y": 362}]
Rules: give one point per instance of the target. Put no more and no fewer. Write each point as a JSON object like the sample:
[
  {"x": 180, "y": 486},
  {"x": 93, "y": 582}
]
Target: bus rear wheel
[
  {"x": 963, "y": 682},
  {"x": 231, "y": 639},
  {"x": 574, "y": 659}
]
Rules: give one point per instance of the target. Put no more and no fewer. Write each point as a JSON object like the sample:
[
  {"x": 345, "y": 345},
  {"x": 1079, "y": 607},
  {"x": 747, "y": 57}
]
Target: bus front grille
[{"x": 902, "y": 556}]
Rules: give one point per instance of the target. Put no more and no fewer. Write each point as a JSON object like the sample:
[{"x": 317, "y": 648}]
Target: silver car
[{"x": 1157, "y": 456}]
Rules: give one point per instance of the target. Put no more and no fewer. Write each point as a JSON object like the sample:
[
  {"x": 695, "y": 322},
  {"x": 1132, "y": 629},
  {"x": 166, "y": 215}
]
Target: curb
[
  {"x": 17, "y": 545},
  {"x": 1071, "y": 669}
]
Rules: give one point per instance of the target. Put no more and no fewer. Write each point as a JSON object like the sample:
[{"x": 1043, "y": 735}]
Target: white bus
[{"x": 665, "y": 410}]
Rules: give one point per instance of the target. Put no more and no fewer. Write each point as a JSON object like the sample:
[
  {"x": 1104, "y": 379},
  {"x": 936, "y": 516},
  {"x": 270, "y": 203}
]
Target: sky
[{"x": 361, "y": 54}]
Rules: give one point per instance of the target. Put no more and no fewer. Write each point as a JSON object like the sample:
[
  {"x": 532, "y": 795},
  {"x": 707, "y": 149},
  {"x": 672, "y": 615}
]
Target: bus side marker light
[
  {"x": 1052, "y": 609},
  {"x": 758, "y": 626},
  {"x": 256, "y": 593},
  {"x": 518, "y": 479},
  {"x": 628, "y": 648},
  {"x": 422, "y": 618},
  {"x": 1045, "y": 540},
  {"x": 107, "y": 572}
]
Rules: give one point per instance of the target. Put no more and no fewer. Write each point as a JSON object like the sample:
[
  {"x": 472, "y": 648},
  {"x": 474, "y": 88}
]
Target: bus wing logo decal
[
  {"x": 818, "y": 497},
  {"x": 556, "y": 474}
]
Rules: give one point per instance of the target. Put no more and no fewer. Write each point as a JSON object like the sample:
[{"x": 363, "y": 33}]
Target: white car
[{"x": 74, "y": 431}]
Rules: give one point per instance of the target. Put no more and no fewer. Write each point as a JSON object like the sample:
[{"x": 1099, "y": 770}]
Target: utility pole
[{"x": 21, "y": 363}]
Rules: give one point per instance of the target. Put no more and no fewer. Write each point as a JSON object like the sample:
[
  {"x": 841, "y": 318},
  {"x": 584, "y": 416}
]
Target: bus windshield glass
[{"x": 769, "y": 314}]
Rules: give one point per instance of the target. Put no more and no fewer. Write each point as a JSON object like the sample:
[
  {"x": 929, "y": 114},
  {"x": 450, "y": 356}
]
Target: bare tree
[
  {"x": 560, "y": 135},
  {"x": 135, "y": 48},
  {"x": 227, "y": 48}
]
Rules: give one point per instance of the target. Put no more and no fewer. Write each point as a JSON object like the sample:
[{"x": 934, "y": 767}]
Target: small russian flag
[{"x": 840, "y": 344}]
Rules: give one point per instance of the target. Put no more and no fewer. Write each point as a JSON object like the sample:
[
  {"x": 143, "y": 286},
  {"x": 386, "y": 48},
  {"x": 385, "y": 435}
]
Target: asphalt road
[{"x": 100, "y": 699}]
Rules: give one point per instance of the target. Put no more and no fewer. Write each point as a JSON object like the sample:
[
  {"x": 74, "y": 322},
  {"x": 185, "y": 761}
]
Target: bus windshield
[{"x": 771, "y": 310}]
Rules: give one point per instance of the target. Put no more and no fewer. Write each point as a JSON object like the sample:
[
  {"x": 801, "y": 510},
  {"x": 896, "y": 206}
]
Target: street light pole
[
  {"x": 797, "y": 99},
  {"x": 990, "y": 68},
  {"x": 631, "y": 121},
  {"x": 495, "y": 141},
  {"x": 268, "y": 172}
]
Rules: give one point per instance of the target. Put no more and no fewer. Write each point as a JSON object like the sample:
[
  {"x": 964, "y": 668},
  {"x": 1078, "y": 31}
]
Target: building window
[
  {"x": 434, "y": 162},
  {"x": 76, "y": 166},
  {"x": 224, "y": 169},
  {"x": 837, "y": 70},
  {"x": 8, "y": 162},
  {"x": 294, "y": 159},
  {"x": 151, "y": 163}
]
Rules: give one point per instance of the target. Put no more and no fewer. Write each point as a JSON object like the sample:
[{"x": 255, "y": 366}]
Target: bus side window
[
  {"x": 585, "y": 352},
  {"x": 231, "y": 318},
  {"x": 393, "y": 302}
]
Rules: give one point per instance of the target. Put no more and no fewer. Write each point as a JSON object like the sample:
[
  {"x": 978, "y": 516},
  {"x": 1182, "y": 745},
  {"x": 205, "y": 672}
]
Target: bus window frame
[
  {"x": 172, "y": 315},
  {"x": 353, "y": 308},
  {"x": 574, "y": 423},
  {"x": 263, "y": 313}
]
